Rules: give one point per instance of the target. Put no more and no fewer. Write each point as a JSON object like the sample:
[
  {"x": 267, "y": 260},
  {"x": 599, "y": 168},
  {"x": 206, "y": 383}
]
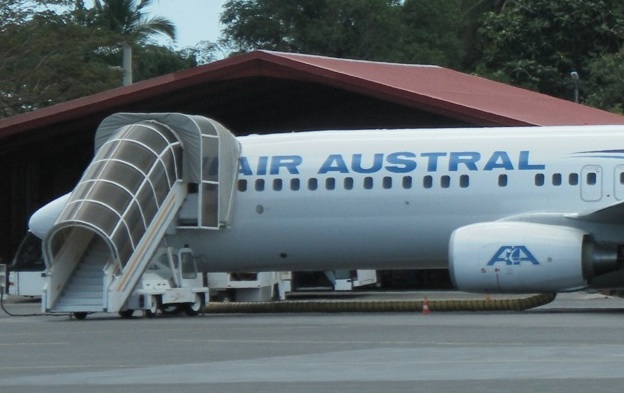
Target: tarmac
[{"x": 573, "y": 344}]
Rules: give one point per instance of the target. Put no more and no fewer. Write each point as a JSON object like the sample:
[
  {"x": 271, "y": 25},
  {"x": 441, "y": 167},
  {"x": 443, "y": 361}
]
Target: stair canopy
[
  {"x": 139, "y": 158},
  {"x": 210, "y": 163}
]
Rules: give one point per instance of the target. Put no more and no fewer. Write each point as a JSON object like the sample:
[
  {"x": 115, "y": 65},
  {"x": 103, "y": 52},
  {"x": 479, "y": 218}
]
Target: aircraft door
[{"x": 591, "y": 183}]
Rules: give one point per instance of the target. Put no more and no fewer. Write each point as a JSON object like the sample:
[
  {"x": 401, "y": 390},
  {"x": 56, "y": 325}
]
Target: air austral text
[{"x": 396, "y": 162}]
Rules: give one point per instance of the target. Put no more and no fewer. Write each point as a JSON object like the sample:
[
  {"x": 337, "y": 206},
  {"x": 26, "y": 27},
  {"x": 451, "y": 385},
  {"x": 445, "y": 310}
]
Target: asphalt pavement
[{"x": 573, "y": 344}]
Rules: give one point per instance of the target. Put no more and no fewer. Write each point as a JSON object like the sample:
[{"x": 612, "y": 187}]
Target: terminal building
[{"x": 44, "y": 153}]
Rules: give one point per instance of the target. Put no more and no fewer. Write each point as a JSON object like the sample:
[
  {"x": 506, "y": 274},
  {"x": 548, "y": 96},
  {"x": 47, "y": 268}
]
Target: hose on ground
[{"x": 381, "y": 305}]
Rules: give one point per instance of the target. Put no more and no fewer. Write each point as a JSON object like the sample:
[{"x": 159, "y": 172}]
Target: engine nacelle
[{"x": 519, "y": 257}]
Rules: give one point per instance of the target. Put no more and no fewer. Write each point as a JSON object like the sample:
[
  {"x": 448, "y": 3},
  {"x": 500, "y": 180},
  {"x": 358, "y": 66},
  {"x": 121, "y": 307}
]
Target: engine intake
[{"x": 518, "y": 257}]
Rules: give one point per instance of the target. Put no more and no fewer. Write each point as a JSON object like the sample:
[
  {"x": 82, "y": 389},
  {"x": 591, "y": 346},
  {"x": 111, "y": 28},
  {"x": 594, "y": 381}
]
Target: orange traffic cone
[{"x": 425, "y": 306}]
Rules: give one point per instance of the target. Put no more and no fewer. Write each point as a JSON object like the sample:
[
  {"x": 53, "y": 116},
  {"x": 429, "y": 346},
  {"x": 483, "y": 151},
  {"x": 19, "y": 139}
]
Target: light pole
[{"x": 575, "y": 78}]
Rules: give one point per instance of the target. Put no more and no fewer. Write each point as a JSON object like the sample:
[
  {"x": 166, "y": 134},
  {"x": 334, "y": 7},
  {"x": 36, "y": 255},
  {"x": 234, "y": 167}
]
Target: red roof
[
  {"x": 453, "y": 93},
  {"x": 432, "y": 89}
]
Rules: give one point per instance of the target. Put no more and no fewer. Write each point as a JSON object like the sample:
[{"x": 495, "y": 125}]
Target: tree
[
  {"x": 46, "y": 57},
  {"x": 129, "y": 20},
  {"x": 384, "y": 30},
  {"x": 53, "y": 51},
  {"x": 432, "y": 33},
  {"x": 537, "y": 44},
  {"x": 361, "y": 29},
  {"x": 605, "y": 85}
]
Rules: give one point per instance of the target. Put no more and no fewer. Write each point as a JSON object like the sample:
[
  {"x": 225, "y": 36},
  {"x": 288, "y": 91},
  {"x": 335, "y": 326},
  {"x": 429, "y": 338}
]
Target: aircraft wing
[{"x": 613, "y": 214}]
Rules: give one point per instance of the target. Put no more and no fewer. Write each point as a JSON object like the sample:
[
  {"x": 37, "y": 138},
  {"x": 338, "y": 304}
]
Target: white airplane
[{"x": 517, "y": 210}]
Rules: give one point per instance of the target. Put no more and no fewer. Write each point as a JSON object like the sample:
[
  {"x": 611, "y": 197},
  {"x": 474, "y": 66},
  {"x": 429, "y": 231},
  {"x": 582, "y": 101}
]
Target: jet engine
[{"x": 520, "y": 257}]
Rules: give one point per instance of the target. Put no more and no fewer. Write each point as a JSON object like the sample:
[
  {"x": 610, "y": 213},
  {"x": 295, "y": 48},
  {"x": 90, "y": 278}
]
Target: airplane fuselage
[{"x": 392, "y": 198}]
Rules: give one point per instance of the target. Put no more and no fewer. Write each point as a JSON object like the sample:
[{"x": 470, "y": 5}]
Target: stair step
[
  {"x": 84, "y": 291},
  {"x": 79, "y": 302},
  {"x": 85, "y": 287},
  {"x": 78, "y": 308},
  {"x": 74, "y": 294},
  {"x": 90, "y": 268},
  {"x": 86, "y": 280}
]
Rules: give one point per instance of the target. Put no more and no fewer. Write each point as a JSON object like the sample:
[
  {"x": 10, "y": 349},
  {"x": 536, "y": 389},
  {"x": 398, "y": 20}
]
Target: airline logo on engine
[{"x": 513, "y": 255}]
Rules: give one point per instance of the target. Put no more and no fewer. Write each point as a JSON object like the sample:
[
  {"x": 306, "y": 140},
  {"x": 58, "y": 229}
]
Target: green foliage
[
  {"x": 536, "y": 44},
  {"x": 129, "y": 19},
  {"x": 53, "y": 51},
  {"x": 432, "y": 33},
  {"x": 605, "y": 87},
  {"x": 385, "y": 30},
  {"x": 153, "y": 60},
  {"x": 48, "y": 59}
]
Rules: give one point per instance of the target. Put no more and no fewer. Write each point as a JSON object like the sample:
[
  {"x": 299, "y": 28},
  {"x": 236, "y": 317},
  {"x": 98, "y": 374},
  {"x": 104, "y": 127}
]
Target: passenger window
[
  {"x": 368, "y": 182},
  {"x": 277, "y": 184},
  {"x": 407, "y": 182},
  {"x": 242, "y": 185},
  {"x": 312, "y": 184},
  {"x": 539, "y": 179},
  {"x": 502, "y": 180},
  {"x": 464, "y": 181},
  {"x": 260, "y": 185},
  {"x": 573, "y": 179},
  {"x": 348, "y": 183},
  {"x": 591, "y": 178},
  {"x": 427, "y": 181},
  {"x": 387, "y": 182},
  {"x": 445, "y": 181},
  {"x": 556, "y": 179},
  {"x": 330, "y": 183},
  {"x": 295, "y": 184},
  {"x": 622, "y": 178}
]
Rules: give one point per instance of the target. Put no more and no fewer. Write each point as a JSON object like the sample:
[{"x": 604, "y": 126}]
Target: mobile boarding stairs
[{"x": 147, "y": 167}]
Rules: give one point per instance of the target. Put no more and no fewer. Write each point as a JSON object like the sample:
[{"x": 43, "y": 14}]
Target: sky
[{"x": 195, "y": 20}]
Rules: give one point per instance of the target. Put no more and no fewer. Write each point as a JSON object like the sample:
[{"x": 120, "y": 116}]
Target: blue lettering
[
  {"x": 432, "y": 166},
  {"x": 262, "y": 165},
  {"x": 396, "y": 162},
  {"x": 288, "y": 162},
  {"x": 356, "y": 164},
  {"x": 402, "y": 162},
  {"x": 468, "y": 158},
  {"x": 499, "y": 159},
  {"x": 334, "y": 163},
  {"x": 524, "y": 162},
  {"x": 243, "y": 167}
]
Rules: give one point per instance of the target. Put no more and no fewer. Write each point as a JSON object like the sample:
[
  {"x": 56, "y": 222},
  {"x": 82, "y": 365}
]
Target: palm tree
[{"x": 130, "y": 21}]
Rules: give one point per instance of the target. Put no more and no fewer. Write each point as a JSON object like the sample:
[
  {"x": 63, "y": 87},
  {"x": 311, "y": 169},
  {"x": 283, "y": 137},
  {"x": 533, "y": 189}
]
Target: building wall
[{"x": 32, "y": 175}]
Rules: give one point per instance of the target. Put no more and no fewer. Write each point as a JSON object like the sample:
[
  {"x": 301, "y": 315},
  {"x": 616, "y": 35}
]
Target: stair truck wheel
[
  {"x": 196, "y": 307},
  {"x": 153, "y": 310},
  {"x": 80, "y": 315},
  {"x": 126, "y": 313},
  {"x": 170, "y": 309}
]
